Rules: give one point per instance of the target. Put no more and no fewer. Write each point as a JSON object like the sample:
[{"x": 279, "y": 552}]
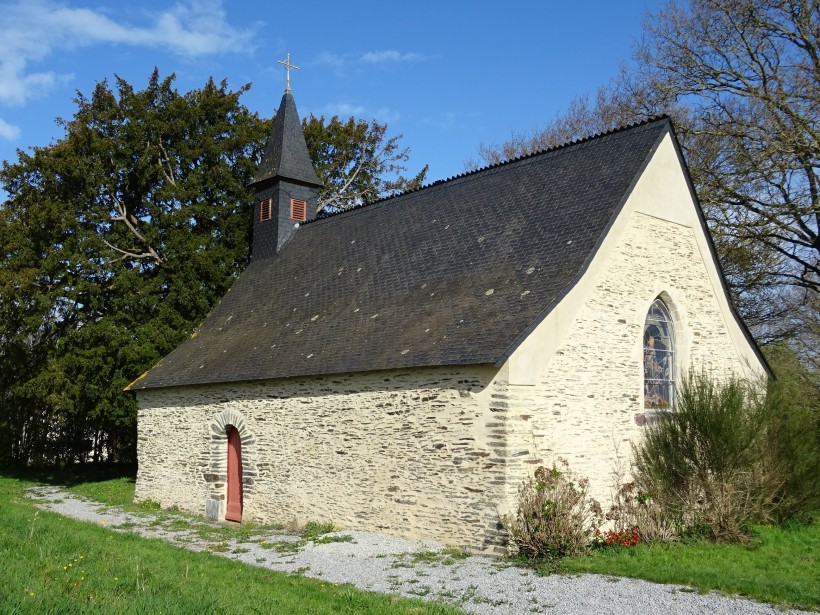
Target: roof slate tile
[{"x": 406, "y": 282}]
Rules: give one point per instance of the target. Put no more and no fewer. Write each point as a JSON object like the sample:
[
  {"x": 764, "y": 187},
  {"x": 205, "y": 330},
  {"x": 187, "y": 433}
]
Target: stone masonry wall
[
  {"x": 590, "y": 396},
  {"x": 440, "y": 453},
  {"x": 417, "y": 453}
]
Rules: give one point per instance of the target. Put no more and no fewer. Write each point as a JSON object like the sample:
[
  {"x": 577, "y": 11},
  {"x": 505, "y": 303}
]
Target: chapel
[{"x": 402, "y": 367}]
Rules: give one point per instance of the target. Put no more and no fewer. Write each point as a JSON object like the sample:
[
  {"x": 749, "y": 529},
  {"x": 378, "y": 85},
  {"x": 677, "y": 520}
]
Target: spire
[
  {"x": 286, "y": 155},
  {"x": 285, "y": 185}
]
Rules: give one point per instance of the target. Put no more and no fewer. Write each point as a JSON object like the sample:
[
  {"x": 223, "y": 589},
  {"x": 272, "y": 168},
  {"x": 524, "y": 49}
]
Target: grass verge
[
  {"x": 779, "y": 567},
  {"x": 57, "y": 565}
]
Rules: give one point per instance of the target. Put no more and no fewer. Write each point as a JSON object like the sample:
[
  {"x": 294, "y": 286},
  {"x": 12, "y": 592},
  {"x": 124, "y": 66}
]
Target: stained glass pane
[{"x": 658, "y": 358}]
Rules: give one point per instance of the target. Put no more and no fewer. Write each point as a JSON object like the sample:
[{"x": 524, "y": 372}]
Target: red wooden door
[{"x": 233, "y": 511}]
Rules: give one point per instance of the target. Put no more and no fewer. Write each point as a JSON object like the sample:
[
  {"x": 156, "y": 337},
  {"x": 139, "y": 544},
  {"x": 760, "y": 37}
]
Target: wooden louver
[
  {"x": 298, "y": 210},
  {"x": 264, "y": 210}
]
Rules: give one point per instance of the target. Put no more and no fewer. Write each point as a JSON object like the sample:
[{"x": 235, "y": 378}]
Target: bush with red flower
[{"x": 622, "y": 539}]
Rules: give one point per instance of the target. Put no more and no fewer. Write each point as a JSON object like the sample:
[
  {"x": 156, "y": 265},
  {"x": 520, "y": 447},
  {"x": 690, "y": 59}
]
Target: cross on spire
[{"x": 288, "y": 65}]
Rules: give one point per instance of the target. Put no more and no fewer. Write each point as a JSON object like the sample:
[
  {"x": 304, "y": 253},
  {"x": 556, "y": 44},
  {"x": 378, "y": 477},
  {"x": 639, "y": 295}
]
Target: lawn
[
  {"x": 779, "y": 566},
  {"x": 57, "y": 565}
]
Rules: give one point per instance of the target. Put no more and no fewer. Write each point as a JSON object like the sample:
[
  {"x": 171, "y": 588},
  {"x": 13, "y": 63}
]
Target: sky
[{"x": 447, "y": 75}]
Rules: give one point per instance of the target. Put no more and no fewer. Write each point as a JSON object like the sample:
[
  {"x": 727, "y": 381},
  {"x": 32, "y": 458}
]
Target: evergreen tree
[{"x": 119, "y": 238}]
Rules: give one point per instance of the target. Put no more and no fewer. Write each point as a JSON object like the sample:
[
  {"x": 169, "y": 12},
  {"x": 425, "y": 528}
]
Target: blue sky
[{"x": 446, "y": 75}]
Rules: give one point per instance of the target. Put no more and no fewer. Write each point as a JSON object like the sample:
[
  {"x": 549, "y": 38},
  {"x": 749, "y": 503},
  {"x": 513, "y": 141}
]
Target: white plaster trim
[{"x": 661, "y": 193}]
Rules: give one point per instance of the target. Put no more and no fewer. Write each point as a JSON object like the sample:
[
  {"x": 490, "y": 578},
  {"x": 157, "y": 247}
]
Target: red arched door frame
[{"x": 233, "y": 510}]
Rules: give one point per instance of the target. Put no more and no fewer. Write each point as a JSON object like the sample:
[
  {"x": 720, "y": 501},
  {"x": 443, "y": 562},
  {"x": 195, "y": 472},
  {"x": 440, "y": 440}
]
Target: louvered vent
[
  {"x": 298, "y": 210},
  {"x": 264, "y": 210}
]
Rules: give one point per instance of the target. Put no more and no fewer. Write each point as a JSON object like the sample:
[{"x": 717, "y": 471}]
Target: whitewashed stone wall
[
  {"x": 417, "y": 453},
  {"x": 587, "y": 406},
  {"x": 440, "y": 453}
]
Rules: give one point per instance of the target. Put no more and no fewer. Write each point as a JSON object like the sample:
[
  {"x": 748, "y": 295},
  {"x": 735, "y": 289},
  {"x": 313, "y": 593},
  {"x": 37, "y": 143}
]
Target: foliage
[
  {"x": 630, "y": 537},
  {"x": 356, "y": 161},
  {"x": 632, "y": 510},
  {"x": 314, "y": 529},
  {"x": 149, "y": 504},
  {"x": 120, "y": 237},
  {"x": 555, "y": 517},
  {"x": 779, "y": 568},
  {"x": 58, "y": 565},
  {"x": 739, "y": 79},
  {"x": 724, "y": 459},
  {"x": 794, "y": 432}
]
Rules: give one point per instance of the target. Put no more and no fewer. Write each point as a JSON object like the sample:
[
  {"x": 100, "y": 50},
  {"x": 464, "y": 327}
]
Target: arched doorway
[{"x": 233, "y": 510}]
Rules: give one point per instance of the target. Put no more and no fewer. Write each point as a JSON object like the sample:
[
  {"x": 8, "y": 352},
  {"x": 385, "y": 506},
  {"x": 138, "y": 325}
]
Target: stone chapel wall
[
  {"x": 417, "y": 453},
  {"x": 587, "y": 405}
]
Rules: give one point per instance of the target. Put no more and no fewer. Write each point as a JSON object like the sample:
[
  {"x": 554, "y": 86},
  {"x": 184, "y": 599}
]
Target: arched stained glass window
[{"x": 658, "y": 358}]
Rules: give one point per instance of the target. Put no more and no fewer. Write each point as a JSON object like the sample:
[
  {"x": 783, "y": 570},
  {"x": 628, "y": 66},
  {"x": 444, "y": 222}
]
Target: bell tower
[{"x": 285, "y": 185}]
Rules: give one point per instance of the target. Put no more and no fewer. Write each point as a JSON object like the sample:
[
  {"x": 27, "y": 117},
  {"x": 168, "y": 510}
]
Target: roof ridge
[{"x": 580, "y": 141}]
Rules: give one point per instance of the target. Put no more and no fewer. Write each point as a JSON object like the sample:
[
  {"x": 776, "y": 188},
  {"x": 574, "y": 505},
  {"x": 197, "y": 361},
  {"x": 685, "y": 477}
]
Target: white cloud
[
  {"x": 328, "y": 59},
  {"x": 386, "y": 115},
  {"x": 345, "y": 62},
  {"x": 390, "y": 55},
  {"x": 7, "y": 131},
  {"x": 342, "y": 109},
  {"x": 33, "y": 30},
  {"x": 449, "y": 120}
]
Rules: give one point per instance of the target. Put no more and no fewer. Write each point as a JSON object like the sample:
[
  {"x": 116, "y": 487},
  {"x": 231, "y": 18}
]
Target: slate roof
[
  {"x": 286, "y": 155},
  {"x": 454, "y": 273}
]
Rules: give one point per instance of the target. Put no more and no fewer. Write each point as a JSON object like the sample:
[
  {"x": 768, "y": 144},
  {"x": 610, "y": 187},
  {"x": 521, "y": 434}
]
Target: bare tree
[
  {"x": 357, "y": 162},
  {"x": 741, "y": 80},
  {"x": 750, "y": 71}
]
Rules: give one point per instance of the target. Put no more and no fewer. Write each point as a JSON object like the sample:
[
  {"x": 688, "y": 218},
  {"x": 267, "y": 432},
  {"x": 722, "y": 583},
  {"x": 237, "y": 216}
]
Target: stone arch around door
[{"x": 217, "y": 475}]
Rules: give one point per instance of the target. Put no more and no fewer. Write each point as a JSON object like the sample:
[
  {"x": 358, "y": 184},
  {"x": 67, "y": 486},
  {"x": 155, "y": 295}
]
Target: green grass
[
  {"x": 52, "y": 564},
  {"x": 114, "y": 491},
  {"x": 780, "y": 566}
]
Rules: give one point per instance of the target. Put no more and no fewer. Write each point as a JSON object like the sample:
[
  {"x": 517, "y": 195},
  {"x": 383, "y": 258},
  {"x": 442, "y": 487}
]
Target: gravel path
[{"x": 414, "y": 569}]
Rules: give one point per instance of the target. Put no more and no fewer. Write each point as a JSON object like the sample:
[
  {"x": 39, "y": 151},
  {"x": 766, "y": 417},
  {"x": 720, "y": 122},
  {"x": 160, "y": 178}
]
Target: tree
[
  {"x": 740, "y": 79},
  {"x": 357, "y": 162},
  {"x": 119, "y": 238},
  {"x": 752, "y": 70}
]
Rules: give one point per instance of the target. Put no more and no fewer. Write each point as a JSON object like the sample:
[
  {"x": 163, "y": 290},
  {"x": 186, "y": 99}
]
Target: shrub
[
  {"x": 555, "y": 517},
  {"x": 793, "y": 403},
  {"x": 621, "y": 539},
  {"x": 709, "y": 464},
  {"x": 633, "y": 509}
]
